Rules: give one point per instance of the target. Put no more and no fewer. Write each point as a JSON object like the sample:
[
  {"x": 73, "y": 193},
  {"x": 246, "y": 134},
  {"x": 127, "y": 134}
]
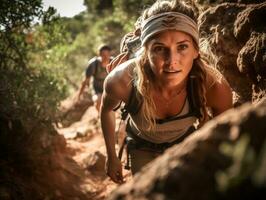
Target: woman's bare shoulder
[
  {"x": 118, "y": 83},
  {"x": 219, "y": 94},
  {"x": 213, "y": 76}
]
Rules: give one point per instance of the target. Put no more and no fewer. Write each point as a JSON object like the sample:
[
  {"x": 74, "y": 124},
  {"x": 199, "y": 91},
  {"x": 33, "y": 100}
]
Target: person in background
[
  {"x": 170, "y": 88},
  {"x": 96, "y": 69}
]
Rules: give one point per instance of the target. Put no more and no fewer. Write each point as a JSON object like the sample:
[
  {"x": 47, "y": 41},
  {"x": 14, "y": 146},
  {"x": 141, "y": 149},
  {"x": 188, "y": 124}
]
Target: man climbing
[{"x": 97, "y": 69}]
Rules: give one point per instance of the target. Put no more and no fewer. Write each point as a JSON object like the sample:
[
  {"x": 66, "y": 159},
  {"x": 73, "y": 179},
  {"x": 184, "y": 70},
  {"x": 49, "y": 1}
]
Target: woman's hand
[{"x": 114, "y": 170}]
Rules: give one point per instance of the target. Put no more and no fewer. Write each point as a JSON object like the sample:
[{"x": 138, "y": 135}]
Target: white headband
[{"x": 168, "y": 21}]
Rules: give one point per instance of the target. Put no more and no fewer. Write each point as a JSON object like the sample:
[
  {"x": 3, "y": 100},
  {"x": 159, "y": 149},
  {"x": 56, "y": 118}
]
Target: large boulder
[
  {"x": 35, "y": 164},
  {"x": 237, "y": 36},
  {"x": 222, "y": 160},
  {"x": 252, "y": 57}
]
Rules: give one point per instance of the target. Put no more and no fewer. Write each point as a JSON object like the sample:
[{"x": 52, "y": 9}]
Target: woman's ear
[{"x": 196, "y": 55}]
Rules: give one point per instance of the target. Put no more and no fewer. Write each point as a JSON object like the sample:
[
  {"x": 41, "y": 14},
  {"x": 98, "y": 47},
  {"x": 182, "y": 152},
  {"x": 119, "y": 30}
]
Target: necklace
[{"x": 168, "y": 101}]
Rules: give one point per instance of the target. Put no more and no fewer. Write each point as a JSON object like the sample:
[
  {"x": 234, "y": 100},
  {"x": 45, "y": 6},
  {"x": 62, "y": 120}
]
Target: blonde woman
[{"x": 167, "y": 88}]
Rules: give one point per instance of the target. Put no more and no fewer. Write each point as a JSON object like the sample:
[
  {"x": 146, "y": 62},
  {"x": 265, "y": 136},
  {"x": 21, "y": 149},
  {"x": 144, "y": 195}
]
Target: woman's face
[{"x": 171, "y": 54}]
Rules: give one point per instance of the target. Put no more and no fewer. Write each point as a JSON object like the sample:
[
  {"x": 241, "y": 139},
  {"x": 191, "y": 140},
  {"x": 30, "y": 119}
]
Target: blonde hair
[{"x": 145, "y": 77}]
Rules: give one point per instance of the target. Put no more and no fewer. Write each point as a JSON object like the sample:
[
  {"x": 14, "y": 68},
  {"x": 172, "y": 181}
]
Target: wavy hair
[{"x": 145, "y": 77}]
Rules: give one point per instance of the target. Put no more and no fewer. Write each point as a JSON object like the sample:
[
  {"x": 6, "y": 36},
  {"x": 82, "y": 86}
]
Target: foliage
[
  {"x": 247, "y": 169},
  {"x": 95, "y": 27},
  {"x": 78, "y": 24},
  {"x": 133, "y": 7},
  {"x": 45, "y": 57},
  {"x": 15, "y": 17},
  {"x": 98, "y": 6},
  {"x": 88, "y": 31},
  {"x": 31, "y": 85}
]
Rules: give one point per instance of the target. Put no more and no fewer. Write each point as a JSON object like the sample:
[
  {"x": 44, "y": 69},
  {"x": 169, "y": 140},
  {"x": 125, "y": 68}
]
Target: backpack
[
  {"x": 129, "y": 46},
  {"x": 99, "y": 72}
]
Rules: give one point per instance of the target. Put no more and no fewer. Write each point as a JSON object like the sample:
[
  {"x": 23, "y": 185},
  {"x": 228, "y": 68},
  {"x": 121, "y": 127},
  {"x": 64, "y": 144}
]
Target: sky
[{"x": 66, "y": 8}]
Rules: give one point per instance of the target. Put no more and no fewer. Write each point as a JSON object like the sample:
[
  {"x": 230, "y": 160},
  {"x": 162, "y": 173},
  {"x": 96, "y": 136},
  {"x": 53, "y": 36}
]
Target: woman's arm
[
  {"x": 116, "y": 89},
  {"x": 114, "y": 167},
  {"x": 108, "y": 123},
  {"x": 109, "y": 102}
]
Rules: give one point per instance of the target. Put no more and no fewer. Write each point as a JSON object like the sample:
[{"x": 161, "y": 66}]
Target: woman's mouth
[{"x": 171, "y": 71}]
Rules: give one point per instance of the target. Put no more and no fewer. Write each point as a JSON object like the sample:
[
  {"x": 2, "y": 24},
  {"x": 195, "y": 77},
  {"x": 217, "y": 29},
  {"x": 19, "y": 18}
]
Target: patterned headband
[{"x": 168, "y": 21}]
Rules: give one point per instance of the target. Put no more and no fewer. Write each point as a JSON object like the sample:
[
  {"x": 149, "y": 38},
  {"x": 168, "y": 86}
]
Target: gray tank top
[
  {"x": 167, "y": 130},
  {"x": 170, "y": 129}
]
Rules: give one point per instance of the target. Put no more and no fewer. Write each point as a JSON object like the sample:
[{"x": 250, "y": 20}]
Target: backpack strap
[
  {"x": 135, "y": 101},
  {"x": 96, "y": 66},
  {"x": 133, "y": 105},
  {"x": 193, "y": 97}
]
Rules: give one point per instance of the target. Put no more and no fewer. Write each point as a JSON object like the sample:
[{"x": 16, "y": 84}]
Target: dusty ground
[{"x": 84, "y": 138}]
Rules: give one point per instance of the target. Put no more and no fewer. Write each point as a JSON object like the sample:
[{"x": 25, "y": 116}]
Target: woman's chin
[
  {"x": 172, "y": 81},
  {"x": 172, "y": 76}
]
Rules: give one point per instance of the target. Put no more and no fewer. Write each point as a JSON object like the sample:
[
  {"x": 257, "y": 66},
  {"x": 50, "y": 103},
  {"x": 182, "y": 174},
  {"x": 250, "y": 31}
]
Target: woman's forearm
[{"x": 108, "y": 128}]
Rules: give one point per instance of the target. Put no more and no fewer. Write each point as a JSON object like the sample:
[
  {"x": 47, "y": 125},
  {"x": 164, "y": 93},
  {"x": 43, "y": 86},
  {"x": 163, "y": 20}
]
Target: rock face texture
[
  {"x": 71, "y": 110},
  {"x": 191, "y": 169},
  {"x": 237, "y": 34},
  {"x": 35, "y": 163}
]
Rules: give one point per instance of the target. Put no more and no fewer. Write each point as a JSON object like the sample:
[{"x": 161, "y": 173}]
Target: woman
[{"x": 167, "y": 89}]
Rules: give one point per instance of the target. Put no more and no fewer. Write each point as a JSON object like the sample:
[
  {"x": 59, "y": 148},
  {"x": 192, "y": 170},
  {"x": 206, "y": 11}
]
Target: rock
[
  {"x": 252, "y": 57},
  {"x": 71, "y": 111},
  {"x": 217, "y": 24},
  {"x": 95, "y": 162},
  {"x": 189, "y": 170},
  {"x": 244, "y": 24},
  {"x": 239, "y": 44}
]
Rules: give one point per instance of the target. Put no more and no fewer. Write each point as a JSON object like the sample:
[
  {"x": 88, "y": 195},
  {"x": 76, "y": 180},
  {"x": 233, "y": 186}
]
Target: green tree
[
  {"x": 30, "y": 85},
  {"x": 98, "y": 6},
  {"x": 133, "y": 7}
]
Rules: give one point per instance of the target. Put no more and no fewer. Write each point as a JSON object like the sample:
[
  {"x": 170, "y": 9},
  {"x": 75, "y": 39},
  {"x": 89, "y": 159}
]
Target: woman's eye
[
  {"x": 182, "y": 47},
  {"x": 159, "y": 49}
]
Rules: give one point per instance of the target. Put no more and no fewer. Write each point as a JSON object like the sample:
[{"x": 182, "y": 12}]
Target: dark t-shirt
[{"x": 98, "y": 72}]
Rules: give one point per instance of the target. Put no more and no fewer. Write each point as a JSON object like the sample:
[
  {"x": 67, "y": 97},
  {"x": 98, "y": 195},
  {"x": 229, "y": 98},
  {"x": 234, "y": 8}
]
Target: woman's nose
[{"x": 173, "y": 58}]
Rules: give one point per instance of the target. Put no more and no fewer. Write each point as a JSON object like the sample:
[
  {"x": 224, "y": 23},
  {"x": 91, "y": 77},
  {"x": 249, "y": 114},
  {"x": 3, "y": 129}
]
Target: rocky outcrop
[
  {"x": 71, "y": 110},
  {"x": 35, "y": 163},
  {"x": 252, "y": 57},
  {"x": 237, "y": 36},
  {"x": 232, "y": 143}
]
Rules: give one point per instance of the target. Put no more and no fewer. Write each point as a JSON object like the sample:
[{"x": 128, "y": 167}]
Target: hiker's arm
[
  {"x": 219, "y": 97},
  {"x": 83, "y": 85},
  {"x": 110, "y": 100},
  {"x": 108, "y": 123},
  {"x": 90, "y": 70},
  {"x": 116, "y": 89}
]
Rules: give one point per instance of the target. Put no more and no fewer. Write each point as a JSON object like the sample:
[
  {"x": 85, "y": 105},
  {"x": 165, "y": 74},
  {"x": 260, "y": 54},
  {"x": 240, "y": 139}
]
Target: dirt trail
[{"x": 85, "y": 141}]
